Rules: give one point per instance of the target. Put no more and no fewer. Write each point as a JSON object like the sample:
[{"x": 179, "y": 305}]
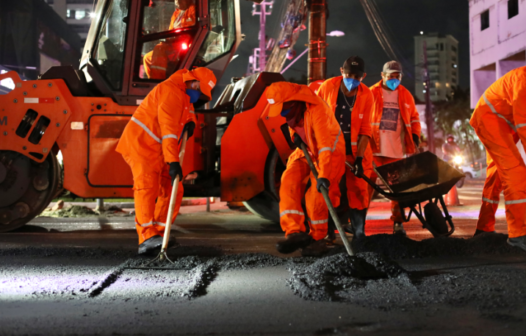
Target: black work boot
[
  {"x": 315, "y": 249},
  {"x": 477, "y": 232},
  {"x": 358, "y": 222},
  {"x": 293, "y": 242},
  {"x": 519, "y": 242},
  {"x": 151, "y": 244}
]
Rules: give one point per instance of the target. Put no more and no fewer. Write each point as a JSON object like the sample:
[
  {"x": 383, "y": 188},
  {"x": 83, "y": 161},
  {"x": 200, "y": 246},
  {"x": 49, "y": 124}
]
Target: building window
[
  {"x": 80, "y": 14},
  {"x": 453, "y": 58},
  {"x": 484, "y": 20},
  {"x": 513, "y": 8},
  {"x": 454, "y": 48},
  {"x": 454, "y": 80}
]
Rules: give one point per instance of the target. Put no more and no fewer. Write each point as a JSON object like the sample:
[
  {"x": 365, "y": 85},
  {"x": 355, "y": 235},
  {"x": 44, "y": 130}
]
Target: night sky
[{"x": 405, "y": 19}]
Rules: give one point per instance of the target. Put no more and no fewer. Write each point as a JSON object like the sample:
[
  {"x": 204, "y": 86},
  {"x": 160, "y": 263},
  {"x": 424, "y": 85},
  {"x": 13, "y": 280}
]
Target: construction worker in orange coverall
[
  {"x": 352, "y": 103},
  {"x": 313, "y": 123},
  {"x": 500, "y": 112},
  {"x": 396, "y": 127},
  {"x": 156, "y": 61},
  {"x": 150, "y": 145}
]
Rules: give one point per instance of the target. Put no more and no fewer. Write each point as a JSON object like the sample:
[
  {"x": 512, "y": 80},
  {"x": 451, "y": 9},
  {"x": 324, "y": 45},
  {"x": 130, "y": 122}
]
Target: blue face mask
[
  {"x": 285, "y": 112},
  {"x": 351, "y": 83},
  {"x": 193, "y": 94},
  {"x": 393, "y": 83}
]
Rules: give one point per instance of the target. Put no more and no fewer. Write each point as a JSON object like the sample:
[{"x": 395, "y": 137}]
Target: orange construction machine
[{"x": 237, "y": 152}]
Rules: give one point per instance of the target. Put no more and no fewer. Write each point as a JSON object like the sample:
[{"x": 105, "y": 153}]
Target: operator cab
[{"x": 134, "y": 45}]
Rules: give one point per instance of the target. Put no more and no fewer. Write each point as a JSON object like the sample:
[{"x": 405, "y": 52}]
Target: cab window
[
  {"x": 222, "y": 36},
  {"x": 167, "y": 33},
  {"x": 109, "y": 50}
]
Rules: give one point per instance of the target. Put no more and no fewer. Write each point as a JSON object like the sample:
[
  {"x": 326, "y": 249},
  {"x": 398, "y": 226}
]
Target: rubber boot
[
  {"x": 315, "y": 249},
  {"x": 519, "y": 242},
  {"x": 358, "y": 222},
  {"x": 150, "y": 245},
  {"x": 477, "y": 232},
  {"x": 293, "y": 242}
]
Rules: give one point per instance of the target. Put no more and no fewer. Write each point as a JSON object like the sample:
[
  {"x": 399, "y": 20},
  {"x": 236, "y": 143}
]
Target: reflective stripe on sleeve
[
  {"x": 375, "y": 124},
  {"x": 490, "y": 201},
  {"x": 173, "y": 136},
  {"x": 336, "y": 142},
  {"x": 407, "y": 125},
  {"x": 157, "y": 67},
  {"x": 291, "y": 212},
  {"x": 146, "y": 129},
  {"x": 318, "y": 222},
  {"x": 323, "y": 150},
  {"x": 146, "y": 224},
  {"x": 520, "y": 125},
  {"x": 515, "y": 202},
  {"x": 354, "y": 144},
  {"x": 492, "y": 108},
  {"x": 415, "y": 121}
]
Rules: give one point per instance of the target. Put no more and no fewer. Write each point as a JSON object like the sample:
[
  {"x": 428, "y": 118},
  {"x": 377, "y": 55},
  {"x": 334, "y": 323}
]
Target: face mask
[
  {"x": 193, "y": 94},
  {"x": 351, "y": 83},
  {"x": 285, "y": 112},
  {"x": 393, "y": 83}
]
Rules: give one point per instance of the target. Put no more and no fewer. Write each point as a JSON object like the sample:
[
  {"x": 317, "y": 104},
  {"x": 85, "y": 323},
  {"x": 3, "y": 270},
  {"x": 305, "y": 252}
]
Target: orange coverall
[
  {"x": 151, "y": 140},
  {"x": 156, "y": 61},
  {"x": 326, "y": 145},
  {"x": 500, "y": 112},
  {"x": 411, "y": 125},
  {"x": 357, "y": 188}
]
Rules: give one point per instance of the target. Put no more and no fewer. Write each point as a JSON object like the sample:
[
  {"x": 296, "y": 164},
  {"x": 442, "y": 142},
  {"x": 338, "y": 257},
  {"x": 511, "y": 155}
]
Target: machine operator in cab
[
  {"x": 150, "y": 145},
  {"x": 311, "y": 122},
  {"x": 352, "y": 104},
  {"x": 156, "y": 61}
]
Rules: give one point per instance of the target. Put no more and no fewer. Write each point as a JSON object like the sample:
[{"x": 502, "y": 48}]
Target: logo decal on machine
[{"x": 3, "y": 121}]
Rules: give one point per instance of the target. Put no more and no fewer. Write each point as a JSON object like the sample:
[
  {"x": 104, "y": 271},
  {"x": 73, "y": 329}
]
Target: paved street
[{"x": 69, "y": 276}]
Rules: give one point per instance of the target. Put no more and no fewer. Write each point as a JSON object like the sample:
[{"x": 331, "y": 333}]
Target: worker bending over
[
  {"x": 310, "y": 122},
  {"x": 156, "y": 61},
  {"x": 500, "y": 112},
  {"x": 396, "y": 127},
  {"x": 150, "y": 145},
  {"x": 352, "y": 103}
]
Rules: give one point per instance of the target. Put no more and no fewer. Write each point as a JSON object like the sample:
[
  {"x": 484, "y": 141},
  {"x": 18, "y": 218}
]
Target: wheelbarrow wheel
[{"x": 435, "y": 219}]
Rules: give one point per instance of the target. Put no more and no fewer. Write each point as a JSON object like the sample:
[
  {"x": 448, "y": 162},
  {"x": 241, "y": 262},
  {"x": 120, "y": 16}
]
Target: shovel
[
  {"x": 173, "y": 198},
  {"x": 332, "y": 211}
]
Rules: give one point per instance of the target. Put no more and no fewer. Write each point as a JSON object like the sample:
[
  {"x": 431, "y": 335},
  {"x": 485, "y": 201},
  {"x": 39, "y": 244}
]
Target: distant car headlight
[{"x": 458, "y": 159}]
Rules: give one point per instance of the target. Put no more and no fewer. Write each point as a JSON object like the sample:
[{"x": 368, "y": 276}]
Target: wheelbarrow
[{"x": 416, "y": 179}]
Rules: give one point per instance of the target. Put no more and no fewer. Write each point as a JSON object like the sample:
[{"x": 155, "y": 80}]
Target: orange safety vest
[
  {"x": 156, "y": 126},
  {"x": 362, "y": 111},
  {"x": 323, "y": 134},
  {"x": 409, "y": 114}
]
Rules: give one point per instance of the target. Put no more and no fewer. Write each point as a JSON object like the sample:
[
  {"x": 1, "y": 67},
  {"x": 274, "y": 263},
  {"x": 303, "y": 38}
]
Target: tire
[
  {"x": 33, "y": 185},
  {"x": 435, "y": 219},
  {"x": 266, "y": 203}
]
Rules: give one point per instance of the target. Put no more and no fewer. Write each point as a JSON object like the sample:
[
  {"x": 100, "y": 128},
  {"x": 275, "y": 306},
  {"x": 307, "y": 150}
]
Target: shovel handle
[
  {"x": 173, "y": 198},
  {"x": 327, "y": 199}
]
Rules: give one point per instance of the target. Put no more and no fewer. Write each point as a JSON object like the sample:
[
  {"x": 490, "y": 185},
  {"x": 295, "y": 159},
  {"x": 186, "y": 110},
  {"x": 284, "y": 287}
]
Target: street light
[{"x": 334, "y": 33}]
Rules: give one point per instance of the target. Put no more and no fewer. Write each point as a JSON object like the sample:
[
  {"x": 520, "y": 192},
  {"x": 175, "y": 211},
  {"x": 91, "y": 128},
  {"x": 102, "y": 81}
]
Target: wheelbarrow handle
[
  {"x": 327, "y": 199},
  {"x": 368, "y": 180}
]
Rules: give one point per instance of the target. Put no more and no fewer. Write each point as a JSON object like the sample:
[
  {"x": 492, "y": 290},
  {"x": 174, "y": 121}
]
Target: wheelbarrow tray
[{"x": 418, "y": 178}]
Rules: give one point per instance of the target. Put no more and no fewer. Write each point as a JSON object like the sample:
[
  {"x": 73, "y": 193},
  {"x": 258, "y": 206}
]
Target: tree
[{"x": 452, "y": 117}]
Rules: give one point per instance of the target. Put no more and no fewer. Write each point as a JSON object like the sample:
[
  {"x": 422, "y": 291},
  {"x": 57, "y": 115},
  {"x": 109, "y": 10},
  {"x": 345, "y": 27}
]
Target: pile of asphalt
[
  {"x": 487, "y": 287},
  {"x": 400, "y": 247}
]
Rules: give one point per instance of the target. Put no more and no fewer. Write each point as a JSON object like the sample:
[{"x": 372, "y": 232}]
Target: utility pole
[
  {"x": 259, "y": 58},
  {"x": 429, "y": 107},
  {"x": 317, "y": 40}
]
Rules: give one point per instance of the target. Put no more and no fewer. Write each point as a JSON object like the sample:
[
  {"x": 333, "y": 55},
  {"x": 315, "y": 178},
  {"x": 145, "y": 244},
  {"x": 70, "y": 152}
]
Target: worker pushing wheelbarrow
[{"x": 417, "y": 179}]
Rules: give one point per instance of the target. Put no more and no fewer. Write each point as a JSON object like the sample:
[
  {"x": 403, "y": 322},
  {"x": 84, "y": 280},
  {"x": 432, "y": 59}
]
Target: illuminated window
[
  {"x": 484, "y": 20},
  {"x": 513, "y": 8},
  {"x": 80, "y": 14}
]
